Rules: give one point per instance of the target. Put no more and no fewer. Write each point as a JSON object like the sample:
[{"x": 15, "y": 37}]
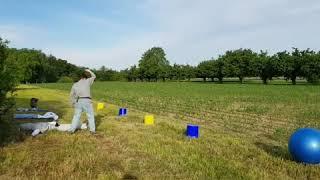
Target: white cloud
[
  {"x": 207, "y": 28},
  {"x": 191, "y": 31}
]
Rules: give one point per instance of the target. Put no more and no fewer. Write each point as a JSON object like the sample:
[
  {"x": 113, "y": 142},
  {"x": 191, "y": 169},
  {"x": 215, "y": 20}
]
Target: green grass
[
  {"x": 243, "y": 133},
  {"x": 247, "y": 107}
]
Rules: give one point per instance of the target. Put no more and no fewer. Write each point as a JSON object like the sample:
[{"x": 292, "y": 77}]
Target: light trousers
[{"x": 83, "y": 105}]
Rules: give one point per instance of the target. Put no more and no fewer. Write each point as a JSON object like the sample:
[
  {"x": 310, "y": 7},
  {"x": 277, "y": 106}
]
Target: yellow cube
[
  {"x": 100, "y": 106},
  {"x": 149, "y": 120}
]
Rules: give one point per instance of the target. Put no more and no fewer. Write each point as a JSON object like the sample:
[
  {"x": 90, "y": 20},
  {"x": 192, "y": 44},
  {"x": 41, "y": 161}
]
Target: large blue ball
[{"x": 304, "y": 145}]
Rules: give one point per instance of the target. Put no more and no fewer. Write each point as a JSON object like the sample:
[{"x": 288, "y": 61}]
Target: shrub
[
  {"x": 65, "y": 79},
  {"x": 8, "y": 81}
]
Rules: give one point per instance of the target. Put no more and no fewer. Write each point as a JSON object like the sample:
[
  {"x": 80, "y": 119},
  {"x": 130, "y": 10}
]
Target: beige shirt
[{"x": 82, "y": 88}]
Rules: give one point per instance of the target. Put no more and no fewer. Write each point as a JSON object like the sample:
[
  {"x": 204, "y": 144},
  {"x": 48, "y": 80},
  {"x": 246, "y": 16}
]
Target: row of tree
[
  {"x": 107, "y": 74},
  {"x": 33, "y": 66},
  {"x": 240, "y": 63}
]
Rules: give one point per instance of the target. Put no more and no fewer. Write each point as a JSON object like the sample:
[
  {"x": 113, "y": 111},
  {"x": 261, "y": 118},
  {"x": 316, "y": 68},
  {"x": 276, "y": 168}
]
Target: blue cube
[
  {"x": 192, "y": 131},
  {"x": 122, "y": 111}
]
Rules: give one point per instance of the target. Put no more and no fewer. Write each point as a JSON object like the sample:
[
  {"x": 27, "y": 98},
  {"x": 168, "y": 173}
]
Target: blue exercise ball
[{"x": 304, "y": 145}]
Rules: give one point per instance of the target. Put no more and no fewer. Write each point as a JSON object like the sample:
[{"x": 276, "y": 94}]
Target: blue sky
[{"x": 115, "y": 33}]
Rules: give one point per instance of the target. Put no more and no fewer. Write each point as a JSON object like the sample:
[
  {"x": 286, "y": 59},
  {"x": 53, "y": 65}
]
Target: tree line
[
  {"x": 34, "y": 66},
  {"x": 240, "y": 63}
]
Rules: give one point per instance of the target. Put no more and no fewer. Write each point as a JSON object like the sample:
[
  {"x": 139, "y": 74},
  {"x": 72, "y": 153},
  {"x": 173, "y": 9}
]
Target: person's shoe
[{"x": 36, "y": 132}]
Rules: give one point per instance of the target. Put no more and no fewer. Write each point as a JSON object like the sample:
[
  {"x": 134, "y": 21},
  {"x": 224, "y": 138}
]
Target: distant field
[
  {"x": 244, "y": 131},
  {"x": 248, "y": 109}
]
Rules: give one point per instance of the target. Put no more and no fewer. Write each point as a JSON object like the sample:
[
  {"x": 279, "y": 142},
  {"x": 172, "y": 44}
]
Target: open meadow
[
  {"x": 160, "y": 89},
  {"x": 244, "y": 131}
]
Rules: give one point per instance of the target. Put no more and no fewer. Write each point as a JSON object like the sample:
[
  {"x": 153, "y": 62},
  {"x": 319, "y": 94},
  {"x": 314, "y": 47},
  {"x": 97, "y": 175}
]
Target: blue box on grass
[
  {"x": 122, "y": 111},
  {"x": 192, "y": 131}
]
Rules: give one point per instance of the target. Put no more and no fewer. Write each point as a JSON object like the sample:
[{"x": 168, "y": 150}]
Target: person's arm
[{"x": 93, "y": 76}]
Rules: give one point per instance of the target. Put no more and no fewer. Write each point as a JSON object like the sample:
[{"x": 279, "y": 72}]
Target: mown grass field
[{"x": 244, "y": 131}]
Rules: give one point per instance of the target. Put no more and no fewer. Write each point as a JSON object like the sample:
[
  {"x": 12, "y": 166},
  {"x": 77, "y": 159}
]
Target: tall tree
[
  {"x": 8, "y": 82},
  {"x": 164, "y": 72},
  {"x": 238, "y": 63},
  {"x": 153, "y": 63},
  {"x": 265, "y": 67},
  {"x": 179, "y": 74},
  {"x": 219, "y": 69},
  {"x": 291, "y": 64},
  {"x": 311, "y": 66},
  {"x": 203, "y": 70},
  {"x": 8, "y": 72},
  {"x": 189, "y": 72},
  {"x": 132, "y": 73}
]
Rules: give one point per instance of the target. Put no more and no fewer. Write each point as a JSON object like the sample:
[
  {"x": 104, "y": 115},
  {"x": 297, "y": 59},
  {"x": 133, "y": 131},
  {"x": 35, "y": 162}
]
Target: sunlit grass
[{"x": 243, "y": 133}]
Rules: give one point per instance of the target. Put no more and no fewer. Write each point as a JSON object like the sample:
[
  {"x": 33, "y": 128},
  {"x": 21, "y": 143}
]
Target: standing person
[{"x": 80, "y": 97}]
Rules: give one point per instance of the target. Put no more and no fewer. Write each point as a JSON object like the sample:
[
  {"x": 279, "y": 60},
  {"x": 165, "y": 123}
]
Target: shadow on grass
[
  {"x": 275, "y": 151},
  {"x": 27, "y": 88},
  {"x": 129, "y": 176},
  {"x": 9, "y": 130},
  {"x": 255, "y": 83},
  {"x": 2, "y": 158},
  {"x": 98, "y": 119}
]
